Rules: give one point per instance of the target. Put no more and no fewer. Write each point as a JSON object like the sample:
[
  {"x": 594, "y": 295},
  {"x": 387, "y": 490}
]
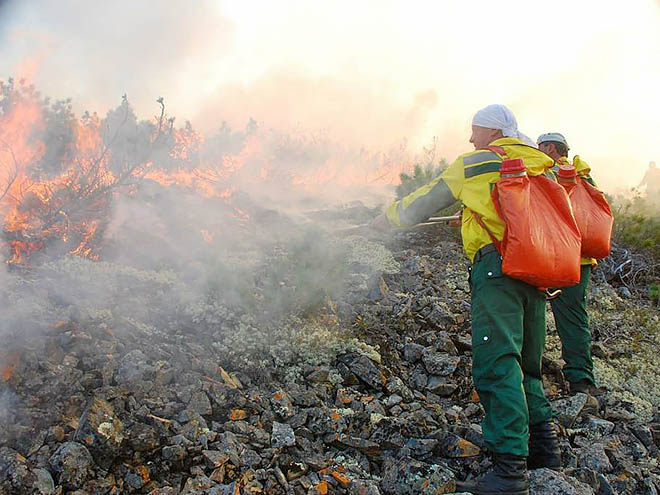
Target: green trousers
[
  {"x": 572, "y": 321},
  {"x": 508, "y": 337}
]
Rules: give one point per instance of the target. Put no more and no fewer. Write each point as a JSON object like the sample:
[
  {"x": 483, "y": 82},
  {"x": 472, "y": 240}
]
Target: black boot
[
  {"x": 544, "y": 449},
  {"x": 508, "y": 476}
]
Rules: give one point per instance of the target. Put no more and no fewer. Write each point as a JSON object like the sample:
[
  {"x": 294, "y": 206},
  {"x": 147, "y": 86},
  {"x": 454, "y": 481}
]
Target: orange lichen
[{"x": 238, "y": 414}]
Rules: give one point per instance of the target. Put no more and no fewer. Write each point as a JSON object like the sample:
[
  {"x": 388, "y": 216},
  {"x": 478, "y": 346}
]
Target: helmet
[{"x": 552, "y": 137}]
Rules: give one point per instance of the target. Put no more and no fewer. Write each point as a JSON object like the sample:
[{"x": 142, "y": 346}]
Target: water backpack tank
[
  {"x": 542, "y": 243},
  {"x": 592, "y": 213}
]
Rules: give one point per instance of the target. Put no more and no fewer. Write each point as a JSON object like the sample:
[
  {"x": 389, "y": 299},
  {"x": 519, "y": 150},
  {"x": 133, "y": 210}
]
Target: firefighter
[
  {"x": 570, "y": 308},
  {"x": 651, "y": 180},
  {"x": 508, "y": 315}
]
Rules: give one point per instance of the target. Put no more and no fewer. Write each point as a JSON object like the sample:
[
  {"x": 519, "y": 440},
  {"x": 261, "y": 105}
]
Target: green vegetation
[
  {"x": 637, "y": 224},
  {"x": 426, "y": 169}
]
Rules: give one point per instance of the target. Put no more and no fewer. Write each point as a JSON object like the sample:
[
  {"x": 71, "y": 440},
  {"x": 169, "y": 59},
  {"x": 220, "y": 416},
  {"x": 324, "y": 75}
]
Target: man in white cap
[
  {"x": 508, "y": 315},
  {"x": 570, "y": 308}
]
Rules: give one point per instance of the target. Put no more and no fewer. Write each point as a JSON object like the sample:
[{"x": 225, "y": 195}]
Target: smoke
[
  {"x": 350, "y": 112},
  {"x": 172, "y": 255},
  {"x": 100, "y": 51}
]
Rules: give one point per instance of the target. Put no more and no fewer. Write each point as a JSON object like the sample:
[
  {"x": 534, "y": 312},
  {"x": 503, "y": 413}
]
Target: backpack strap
[
  {"x": 498, "y": 150},
  {"x": 480, "y": 221}
]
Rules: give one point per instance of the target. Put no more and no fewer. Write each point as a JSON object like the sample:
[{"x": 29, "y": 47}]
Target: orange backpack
[
  {"x": 541, "y": 244},
  {"x": 592, "y": 213}
]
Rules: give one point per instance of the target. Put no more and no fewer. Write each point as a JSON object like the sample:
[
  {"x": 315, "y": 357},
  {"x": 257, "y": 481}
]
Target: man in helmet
[
  {"x": 508, "y": 315},
  {"x": 570, "y": 308}
]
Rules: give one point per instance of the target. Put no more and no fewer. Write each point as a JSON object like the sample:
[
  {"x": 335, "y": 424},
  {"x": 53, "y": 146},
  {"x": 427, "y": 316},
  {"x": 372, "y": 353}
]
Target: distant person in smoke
[
  {"x": 508, "y": 315},
  {"x": 570, "y": 308},
  {"x": 652, "y": 182}
]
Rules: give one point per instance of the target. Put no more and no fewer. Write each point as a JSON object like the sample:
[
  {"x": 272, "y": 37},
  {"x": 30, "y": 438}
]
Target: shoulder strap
[{"x": 499, "y": 150}]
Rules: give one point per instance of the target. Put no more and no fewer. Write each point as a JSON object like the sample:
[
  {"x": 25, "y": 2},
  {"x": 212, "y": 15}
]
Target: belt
[{"x": 487, "y": 249}]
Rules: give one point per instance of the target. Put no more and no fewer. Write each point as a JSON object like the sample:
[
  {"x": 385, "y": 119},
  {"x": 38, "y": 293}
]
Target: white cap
[
  {"x": 552, "y": 137},
  {"x": 500, "y": 117}
]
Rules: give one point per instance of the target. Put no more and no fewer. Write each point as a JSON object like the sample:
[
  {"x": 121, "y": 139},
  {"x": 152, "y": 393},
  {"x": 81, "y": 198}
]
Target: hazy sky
[{"x": 369, "y": 72}]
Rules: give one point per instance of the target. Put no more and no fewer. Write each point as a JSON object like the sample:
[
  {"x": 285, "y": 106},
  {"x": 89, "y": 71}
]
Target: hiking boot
[
  {"x": 586, "y": 387},
  {"x": 508, "y": 476},
  {"x": 581, "y": 386},
  {"x": 544, "y": 451}
]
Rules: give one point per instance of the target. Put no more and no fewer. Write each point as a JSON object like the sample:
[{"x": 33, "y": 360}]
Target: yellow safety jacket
[
  {"x": 581, "y": 167},
  {"x": 469, "y": 179},
  {"x": 584, "y": 171}
]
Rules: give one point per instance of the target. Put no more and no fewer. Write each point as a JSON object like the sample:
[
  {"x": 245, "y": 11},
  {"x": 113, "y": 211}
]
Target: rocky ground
[{"x": 368, "y": 392}]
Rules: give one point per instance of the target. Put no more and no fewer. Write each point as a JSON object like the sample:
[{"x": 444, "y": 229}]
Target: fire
[
  {"x": 206, "y": 235},
  {"x": 9, "y": 364},
  {"x": 60, "y": 195}
]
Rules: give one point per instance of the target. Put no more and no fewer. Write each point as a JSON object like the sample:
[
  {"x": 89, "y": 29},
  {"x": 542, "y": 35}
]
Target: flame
[
  {"x": 10, "y": 361},
  {"x": 206, "y": 235},
  {"x": 65, "y": 201}
]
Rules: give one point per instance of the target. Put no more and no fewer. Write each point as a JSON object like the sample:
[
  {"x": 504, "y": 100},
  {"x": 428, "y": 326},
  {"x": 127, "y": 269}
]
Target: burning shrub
[{"x": 62, "y": 173}]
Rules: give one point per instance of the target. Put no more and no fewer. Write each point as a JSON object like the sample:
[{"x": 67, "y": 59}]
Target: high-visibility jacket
[
  {"x": 581, "y": 167},
  {"x": 469, "y": 179},
  {"x": 584, "y": 171}
]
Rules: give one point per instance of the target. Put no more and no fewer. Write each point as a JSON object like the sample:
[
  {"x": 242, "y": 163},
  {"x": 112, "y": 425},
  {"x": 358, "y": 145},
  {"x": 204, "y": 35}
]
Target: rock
[
  {"x": 644, "y": 434},
  {"x": 101, "y": 431},
  {"x": 143, "y": 437},
  {"x": 595, "y": 427},
  {"x": 388, "y": 434},
  {"x": 365, "y": 369},
  {"x": 624, "y": 292},
  {"x": 418, "y": 378},
  {"x": 72, "y": 463},
  {"x": 199, "y": 404},
  {"x": 174, "y": 453},
  {"x": 444, "y": 343},
  {"x": 14, "y": 473},
  {"x": 421, "y": 447},
  {"x": 363, "y": 487},
  {"x": 44, "y": 484},
  {"x": 319, "y": 375},
  {"x": 133, "y": 480},
  {"x": 407, "y": 476},
  {"x": 647, "y": 487},
  {"x": 412, "y": 352},
  {"x": 594, "y": 457},
  {"x": 396, "y": 386},
  {"x": 441, "y": 386},
  {"x": 586, "y": 476},
  {"x": 452, "y": 446},
  {"x": 378, "y": 288},
  {"x": 197, "y": 485},
  {"x": 622, "y": 484},
  {"x": 439, "y": 363},
  {"x": 282, "y": 405},
  {"x": 343, "y": 440},
  {"x": 618, "y": 412},
  {"x": 282, "y": 435},
  {"x": 569, "y": 409},
  {"x": 133, "y": 368},
  {"x": 548, "y": 482},
  {"x": 215, "y": 459}
]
